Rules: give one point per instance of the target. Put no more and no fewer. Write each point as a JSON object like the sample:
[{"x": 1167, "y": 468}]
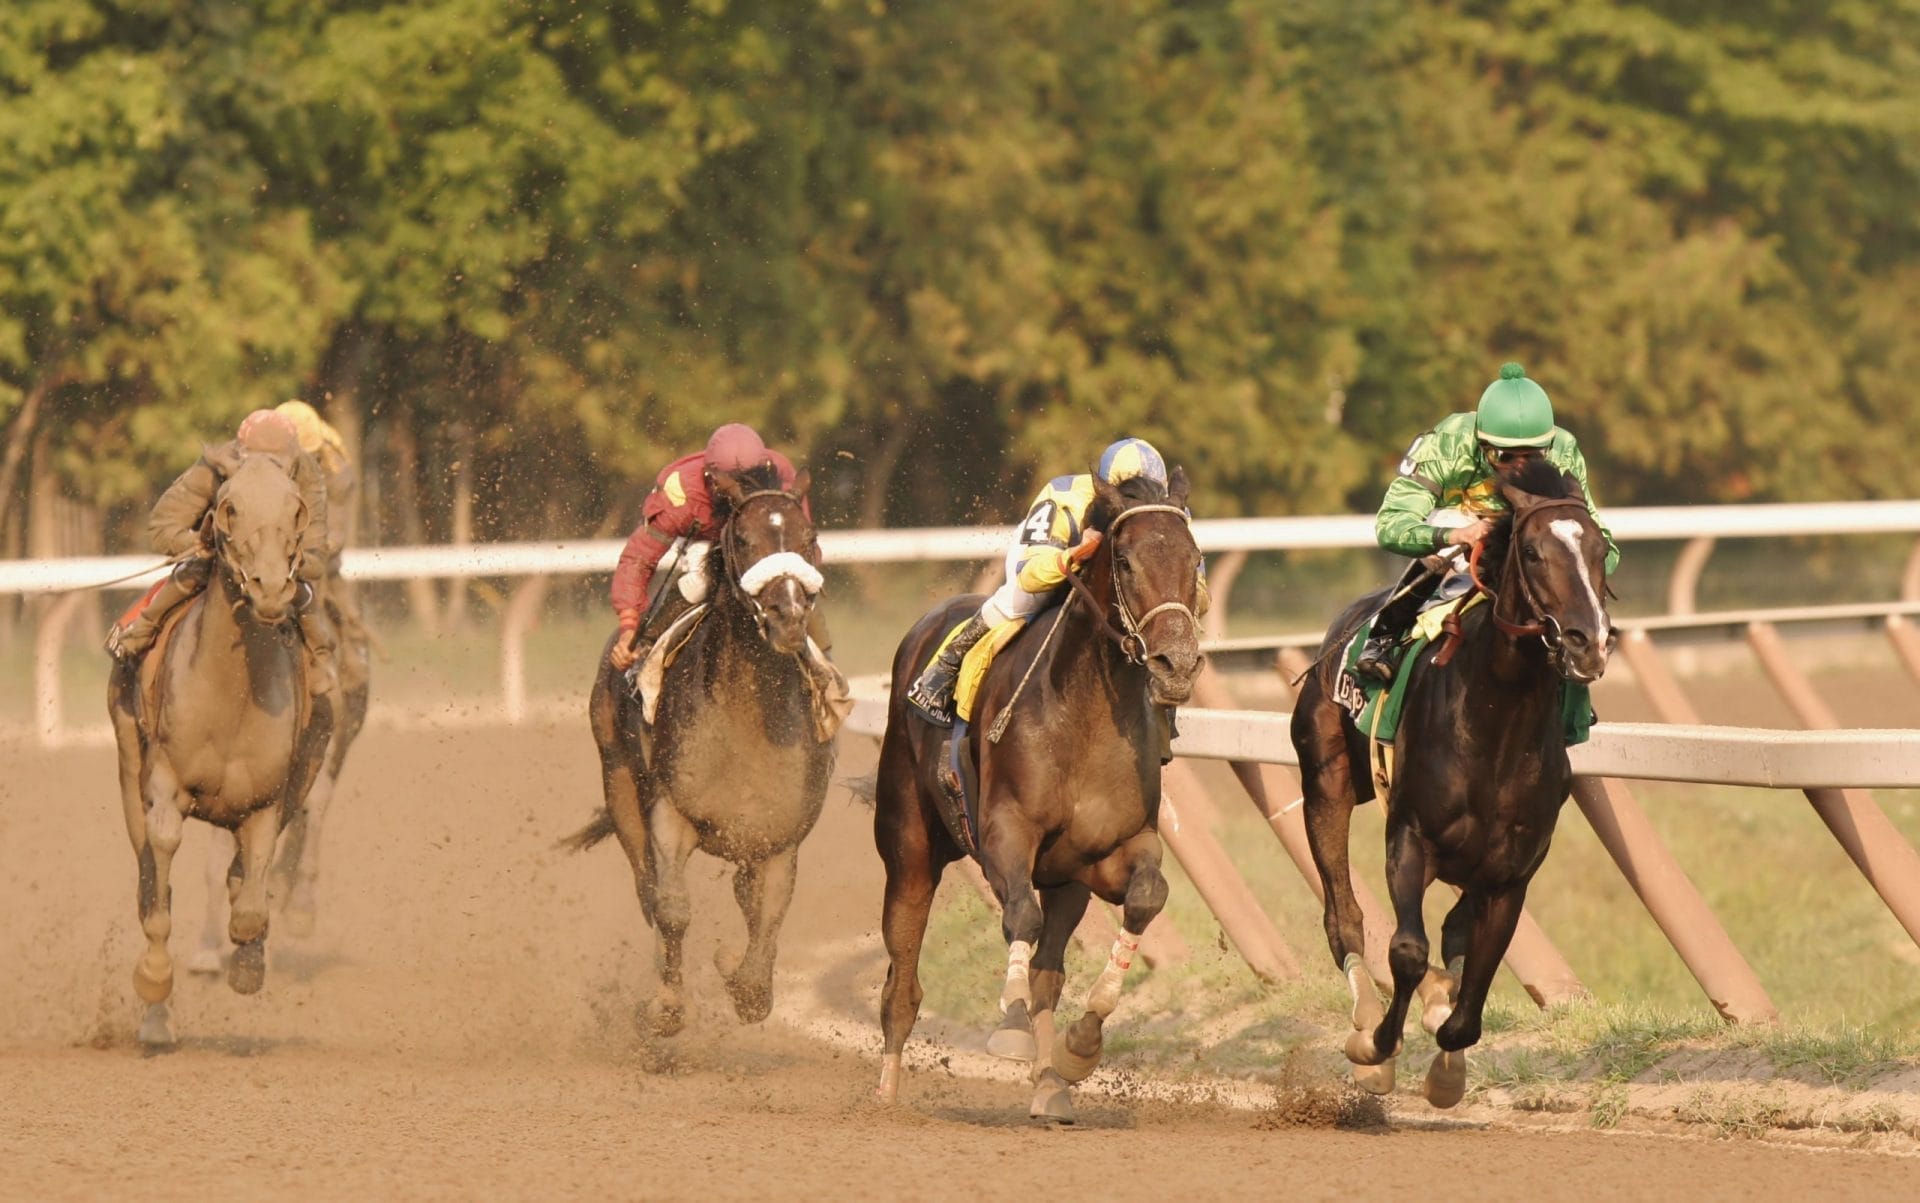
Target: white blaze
[{"x": 1568, "y": 531}]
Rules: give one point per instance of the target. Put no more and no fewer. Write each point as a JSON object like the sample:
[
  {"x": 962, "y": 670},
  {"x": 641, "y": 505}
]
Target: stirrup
[
  {"x": 1374, "y": 661},
  {"x": 940, "y": 714}
]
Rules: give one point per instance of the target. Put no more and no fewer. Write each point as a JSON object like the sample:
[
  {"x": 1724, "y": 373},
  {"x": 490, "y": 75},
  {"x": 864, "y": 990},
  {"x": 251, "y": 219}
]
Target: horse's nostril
[{"x": 1576, "y": 638}]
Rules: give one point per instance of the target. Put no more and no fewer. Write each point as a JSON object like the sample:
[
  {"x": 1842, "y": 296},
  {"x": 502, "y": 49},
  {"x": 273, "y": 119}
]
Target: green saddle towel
[{"x": 1370, "y": 702}]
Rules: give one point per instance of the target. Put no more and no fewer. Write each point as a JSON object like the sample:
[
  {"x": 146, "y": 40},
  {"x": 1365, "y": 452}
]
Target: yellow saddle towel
[{"x": 973, "y": 669}]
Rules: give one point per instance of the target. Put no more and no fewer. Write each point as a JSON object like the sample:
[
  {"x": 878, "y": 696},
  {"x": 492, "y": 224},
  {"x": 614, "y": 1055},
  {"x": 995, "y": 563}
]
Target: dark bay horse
[
  {"x": 1069, "y": 795},
  {"x": 733, "y": 764},
  {"x": 215, "y": 723},
  {"x": 1481, "y": 772}
]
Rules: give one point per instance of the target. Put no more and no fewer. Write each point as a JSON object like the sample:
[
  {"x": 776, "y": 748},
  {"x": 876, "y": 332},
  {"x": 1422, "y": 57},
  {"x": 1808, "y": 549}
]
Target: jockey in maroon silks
[{"x": 680, "y": 510}]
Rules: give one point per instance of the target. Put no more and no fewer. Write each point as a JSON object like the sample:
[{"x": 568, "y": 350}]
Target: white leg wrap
[
  {"x": 1105, "y": 995},
  {"x": 1019, "y": 957},
  {"x": 693, "y": 582}
]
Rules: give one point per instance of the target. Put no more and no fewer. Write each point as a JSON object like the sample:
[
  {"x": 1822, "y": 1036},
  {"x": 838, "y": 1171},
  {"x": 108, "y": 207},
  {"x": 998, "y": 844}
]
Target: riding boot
[
  {"x": 317, "y": 633},
  {"x": 1390, "y": 625},
  {"x": 127, "y": 642},
  {"x": 932, "y": 694}
]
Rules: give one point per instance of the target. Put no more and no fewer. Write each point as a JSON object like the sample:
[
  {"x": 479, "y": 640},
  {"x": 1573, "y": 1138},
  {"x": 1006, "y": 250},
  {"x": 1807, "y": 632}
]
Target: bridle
[
  {"x": 1545, "y": 625},
  {"x": 748, "y": 585},
  {"x": 1130, "y": 635},
  {"x": 228, "y": 567}
]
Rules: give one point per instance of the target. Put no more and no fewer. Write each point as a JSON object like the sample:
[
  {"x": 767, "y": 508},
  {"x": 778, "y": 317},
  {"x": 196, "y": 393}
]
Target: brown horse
[
  {"x": 215, "y": 723},
  {"x": 1482, "y": 772},
  {"x": 1068, "y": 796},
  {"x": 296, "y": 870},
  {"x": 733, "y": 764}
]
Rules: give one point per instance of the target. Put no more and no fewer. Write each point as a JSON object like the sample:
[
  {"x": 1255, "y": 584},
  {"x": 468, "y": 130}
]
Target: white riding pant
[{"x": 1010, "y": 601}]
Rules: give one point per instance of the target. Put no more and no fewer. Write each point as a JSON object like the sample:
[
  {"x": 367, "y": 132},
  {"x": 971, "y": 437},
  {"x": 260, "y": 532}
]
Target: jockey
[
  {"x": 175, "y": 526},
  {"x": 321, "y": 441},
  {"x": 1451, "y": 468},
  {"x": 680, "y": 507},
  {"x": 1050, "y": 542}
]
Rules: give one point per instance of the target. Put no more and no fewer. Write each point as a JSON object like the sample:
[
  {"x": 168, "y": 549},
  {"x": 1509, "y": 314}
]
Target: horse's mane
[
  {"x": 759, "y": 478},
  {"x": 1136, "y": 490},
  {"x": 1533, "y": 474}
]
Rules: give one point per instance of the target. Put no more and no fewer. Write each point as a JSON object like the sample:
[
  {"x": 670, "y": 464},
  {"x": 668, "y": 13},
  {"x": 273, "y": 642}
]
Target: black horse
[
  {"x": 1068, "y": 793},
  {"x": 733, "y": 764},
  {"x": 1482, "y": 771}
]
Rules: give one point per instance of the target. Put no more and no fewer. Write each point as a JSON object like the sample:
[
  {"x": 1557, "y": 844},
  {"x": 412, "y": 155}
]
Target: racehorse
[
  {"x": 732, "y": 764},
  {"x": 296, "y": 870},
  {"x": 1481, "y": 772},
  {"x": 1068, "y": 793},
  {"x": 215, "y": 723}
]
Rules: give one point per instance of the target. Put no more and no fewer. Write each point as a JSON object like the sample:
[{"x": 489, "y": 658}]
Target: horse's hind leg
[
  {"x": 1063, "y": 907},
  {"x": 221, "y": 865},
  {"x": 1328, "y": 797},
  {"x": 913, "y": 875},
  {"x": 621, "y": 788},
  {"x": 1076, "y": 1051},
  {"x": 300, "y": 859},
  {"x": 1439, "y": 989},
  {"x": 763, "y": 891},
  {"x": 153, "y": 975},
  {"x": 1493, "y": 917},
  {"x": 1407, "y": 881},
  {"x": 673, "y": 841},
  {"x": 247, "y": 927}
]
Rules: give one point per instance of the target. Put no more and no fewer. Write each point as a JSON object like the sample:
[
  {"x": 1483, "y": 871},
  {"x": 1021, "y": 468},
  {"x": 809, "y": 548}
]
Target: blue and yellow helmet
[{"x": 1129, "y": 458}]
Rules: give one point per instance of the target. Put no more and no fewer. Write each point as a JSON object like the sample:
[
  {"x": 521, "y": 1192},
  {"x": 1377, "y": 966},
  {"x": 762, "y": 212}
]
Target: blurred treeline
[{"x": 523, "y": 251}]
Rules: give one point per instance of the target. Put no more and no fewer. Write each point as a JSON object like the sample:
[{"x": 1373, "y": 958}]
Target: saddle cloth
[{"x": 1376, "y": 708}]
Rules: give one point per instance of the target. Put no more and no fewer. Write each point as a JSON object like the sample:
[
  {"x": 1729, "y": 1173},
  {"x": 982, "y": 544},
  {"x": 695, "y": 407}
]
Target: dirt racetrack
[{"x": 461, "y": 1027}]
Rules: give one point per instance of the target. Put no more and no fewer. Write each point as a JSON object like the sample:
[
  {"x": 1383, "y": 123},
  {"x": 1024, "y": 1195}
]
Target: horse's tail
[
  {"x": 599, "y": 829},
  {"x": 864, "y": 789}
]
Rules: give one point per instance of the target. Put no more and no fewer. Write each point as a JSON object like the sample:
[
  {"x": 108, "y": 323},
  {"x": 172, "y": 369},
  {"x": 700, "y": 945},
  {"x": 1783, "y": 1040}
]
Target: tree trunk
[
  {"x": 873, "y": 502},
  {"x": 19, "y": 435},
  {"x": 462, "y": 518},
  {"x": 406, "y": 499}
]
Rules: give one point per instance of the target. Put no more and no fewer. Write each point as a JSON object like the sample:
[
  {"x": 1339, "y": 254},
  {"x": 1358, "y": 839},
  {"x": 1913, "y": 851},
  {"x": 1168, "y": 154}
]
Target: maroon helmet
[
  {"x": 268, "y": 431},
  {"x": 734, "y": 448}
]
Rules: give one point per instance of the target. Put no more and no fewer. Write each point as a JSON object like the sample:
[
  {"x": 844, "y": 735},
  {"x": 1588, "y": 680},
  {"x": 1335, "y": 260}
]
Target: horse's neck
[
  {"x": 1086, "y": 656},
  {"x": 738, "y": 643}
]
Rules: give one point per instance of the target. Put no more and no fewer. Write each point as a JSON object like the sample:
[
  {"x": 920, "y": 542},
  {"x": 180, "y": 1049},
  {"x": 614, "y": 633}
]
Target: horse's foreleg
[
  {"x": 221, "y": 850},
  {"x": 673, "y": 841},
  {"x": 247, "y": 927},
  {"x": 763, "y": 891},
  {"x": 1407, "y": 880},
  {"x": 1077, "y": 1050},
  {"x": 1439, "y": 989},
  {"x": 1007, "y": 860},
  {"x": 153, "y": 974},
  {"x": 1490, "y": 930},
  {"x": 1063, "y": 907}
]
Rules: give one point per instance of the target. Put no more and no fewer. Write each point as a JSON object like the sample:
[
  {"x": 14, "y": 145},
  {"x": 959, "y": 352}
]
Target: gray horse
[
  {"x": 734, "y": 763},
  {"x": 215, "y": 723}
]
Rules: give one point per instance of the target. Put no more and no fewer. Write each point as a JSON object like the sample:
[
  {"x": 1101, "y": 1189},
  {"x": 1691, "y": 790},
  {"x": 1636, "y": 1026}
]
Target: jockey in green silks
[{"x": 1446, "y": 496}]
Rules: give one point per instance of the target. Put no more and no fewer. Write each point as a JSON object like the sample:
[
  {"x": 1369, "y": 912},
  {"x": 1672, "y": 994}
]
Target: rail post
[
  {"x": 1668, "y": 699},
  {"x": 1873, "y": 843},
  {"x": 1906, "y": 641},
  {"x": 1183, "y": 826},
  {"x": 523, "y": 608},
  {"x": 1673, "y": 902},
  {"x": 49, "y": 638}
]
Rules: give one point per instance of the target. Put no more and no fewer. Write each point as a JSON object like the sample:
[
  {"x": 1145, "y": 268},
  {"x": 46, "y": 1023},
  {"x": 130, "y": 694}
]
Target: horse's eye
[{"x": 1532, "y": 554}]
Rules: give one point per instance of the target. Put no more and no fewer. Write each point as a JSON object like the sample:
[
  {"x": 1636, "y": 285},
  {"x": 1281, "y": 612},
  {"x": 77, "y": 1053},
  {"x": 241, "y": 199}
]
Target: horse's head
[
  {"x": 258, "y": 520},
  {"x": 768, "y": 546},
  {"x": 1556, "y": 558},
  {"x": 1154, "y": 568}
]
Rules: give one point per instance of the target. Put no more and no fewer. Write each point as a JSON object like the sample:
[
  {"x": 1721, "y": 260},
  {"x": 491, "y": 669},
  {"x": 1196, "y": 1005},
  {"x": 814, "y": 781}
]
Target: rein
[{"x": 1130, "y": 635}]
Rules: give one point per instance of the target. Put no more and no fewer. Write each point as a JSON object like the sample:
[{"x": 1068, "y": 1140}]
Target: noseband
[
  {"x": 1130, "y": 635},
  {"x": 748, "y": 585},
  {"x": 1545, "y": 625}
]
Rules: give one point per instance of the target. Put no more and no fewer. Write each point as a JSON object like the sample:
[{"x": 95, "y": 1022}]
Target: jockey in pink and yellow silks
[{"x": 1051, "y": 541}]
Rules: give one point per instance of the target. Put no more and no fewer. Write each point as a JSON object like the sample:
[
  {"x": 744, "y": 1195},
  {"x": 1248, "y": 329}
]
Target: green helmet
[{"x": 1514, "y": 411}]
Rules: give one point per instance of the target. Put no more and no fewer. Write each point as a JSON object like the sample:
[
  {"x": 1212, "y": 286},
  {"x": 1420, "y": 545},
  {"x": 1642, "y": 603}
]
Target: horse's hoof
[
  {"x": 245, "y": 927},
  {"x": 1013, "y": 1039},
  {"x": 153, "y": 977},
  {"x": 1072, "y": 1066},
  {"x": 1375, "y": 1079},
  {"x": 666, "y": 1018},
  {"x": 156, "y": 1030},
  {"x": 298, "y": 919},
  {"x": 205, "y": 960},
  {"x": 889, "y": 1088},
  {"x": 1362, "y": 1050},
  {"x": 752, "y": 1001},
  {"x": 247, "y": 972},
  {"x": 1051, "y": 1100},
  {"x": 1447, "y": 1079}
]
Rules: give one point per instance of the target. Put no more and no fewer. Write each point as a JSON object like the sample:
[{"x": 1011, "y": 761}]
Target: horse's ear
[
  {"x": 1177, "y": 487},
  {"x": 1107, "y": 497},
  {"x": 223, "y": 517},
  {"x": 802, "y": 481},
  {"x": 728, "y": 489},
  {"x": 1517, "y": 497},
  {"x": 1573, "y": 487}
]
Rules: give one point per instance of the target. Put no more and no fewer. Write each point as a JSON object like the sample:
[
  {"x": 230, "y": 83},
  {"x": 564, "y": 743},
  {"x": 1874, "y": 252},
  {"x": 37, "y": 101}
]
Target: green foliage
[{"x": 942, "y": 257}]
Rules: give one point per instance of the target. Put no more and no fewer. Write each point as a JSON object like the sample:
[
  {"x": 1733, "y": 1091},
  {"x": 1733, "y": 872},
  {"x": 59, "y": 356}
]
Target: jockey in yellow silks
[{"x": 1050, "y": 542}]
